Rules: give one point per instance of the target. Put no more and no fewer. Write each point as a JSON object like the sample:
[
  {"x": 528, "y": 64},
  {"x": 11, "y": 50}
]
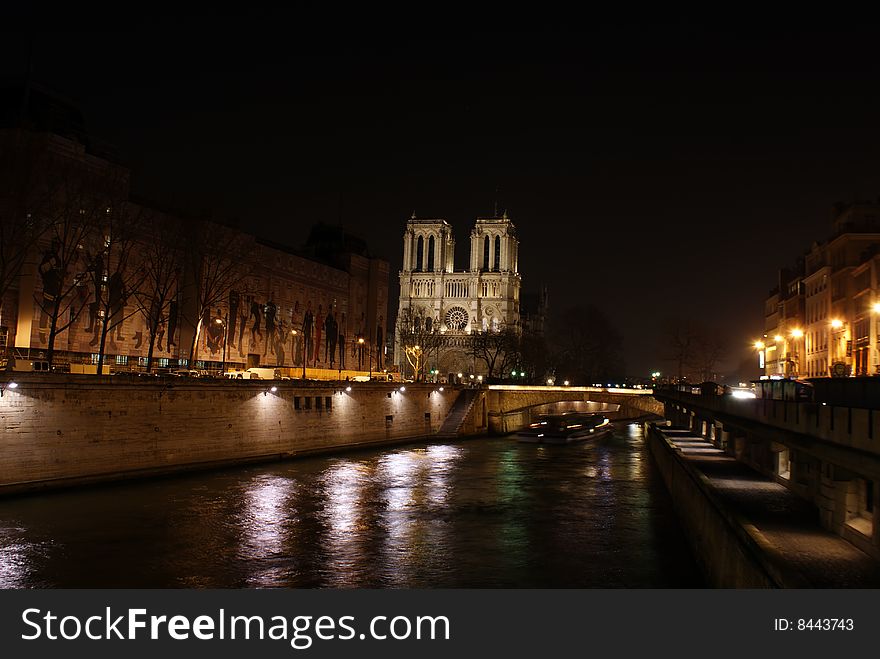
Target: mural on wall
[
  {"x": 270, "y": 310},
  {"x": 50, "y": 275},
  {"x": 307, "y": 328},
  {"x": 296, "y": 334},
  {"x": 271, "y": 321},
  {"x": 234, "y": 300},
  {"x": 331, "y": 337}
]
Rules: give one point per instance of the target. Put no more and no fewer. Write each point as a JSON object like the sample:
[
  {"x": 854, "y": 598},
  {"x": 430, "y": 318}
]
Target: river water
[{"x": 474, "y": 513}]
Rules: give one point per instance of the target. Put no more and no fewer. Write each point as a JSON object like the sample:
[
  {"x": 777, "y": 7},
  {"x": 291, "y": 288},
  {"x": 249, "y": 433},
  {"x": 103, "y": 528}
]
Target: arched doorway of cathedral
[{"x": 453, "y": 362}]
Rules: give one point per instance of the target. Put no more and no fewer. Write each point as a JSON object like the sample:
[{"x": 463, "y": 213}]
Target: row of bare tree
[
  {"x": 583, "y": 347},
  {"x": 97, "y": 253}
]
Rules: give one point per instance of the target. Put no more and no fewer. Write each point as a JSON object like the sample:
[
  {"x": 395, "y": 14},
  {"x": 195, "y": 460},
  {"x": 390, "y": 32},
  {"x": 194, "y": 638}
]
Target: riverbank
[
  {"x": 60, "y": 431},
  {"x": 746, "y": 530}
]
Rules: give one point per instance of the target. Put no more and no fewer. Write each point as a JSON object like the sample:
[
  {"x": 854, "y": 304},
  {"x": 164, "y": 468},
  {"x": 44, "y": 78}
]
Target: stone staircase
[{"x": 455, "y": 419}]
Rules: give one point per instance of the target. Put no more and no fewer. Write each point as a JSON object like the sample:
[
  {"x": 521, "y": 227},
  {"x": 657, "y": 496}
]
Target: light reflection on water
[{"x": 478, "y": 513}]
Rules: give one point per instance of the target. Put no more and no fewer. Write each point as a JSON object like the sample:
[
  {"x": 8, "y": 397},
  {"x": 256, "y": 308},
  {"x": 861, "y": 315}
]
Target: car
[{"x": 187, "y": 373}]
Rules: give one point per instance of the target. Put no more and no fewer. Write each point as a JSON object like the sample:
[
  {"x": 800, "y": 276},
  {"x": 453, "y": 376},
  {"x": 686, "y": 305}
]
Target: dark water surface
[{"x": 476, "y": 513}]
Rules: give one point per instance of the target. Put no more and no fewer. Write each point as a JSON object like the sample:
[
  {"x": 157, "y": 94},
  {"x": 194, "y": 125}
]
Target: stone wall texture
[{"x": 67, "y": 430}]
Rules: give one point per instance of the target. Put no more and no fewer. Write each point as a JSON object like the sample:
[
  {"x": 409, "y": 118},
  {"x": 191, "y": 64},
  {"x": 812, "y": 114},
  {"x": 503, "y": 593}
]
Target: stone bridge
[{"x": 511, "y": 407}]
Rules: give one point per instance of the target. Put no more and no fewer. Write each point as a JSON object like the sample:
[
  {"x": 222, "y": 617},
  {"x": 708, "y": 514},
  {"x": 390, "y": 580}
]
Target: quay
[
  {"x": 745, "y": 529},
  {"x": 65, "y": 430}
]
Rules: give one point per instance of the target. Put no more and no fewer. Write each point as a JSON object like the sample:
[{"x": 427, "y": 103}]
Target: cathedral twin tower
[{"x": 457, "y": 304}]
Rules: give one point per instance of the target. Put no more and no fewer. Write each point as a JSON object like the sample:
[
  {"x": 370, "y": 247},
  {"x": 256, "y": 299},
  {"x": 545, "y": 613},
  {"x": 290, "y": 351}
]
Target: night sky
[{"x": 653, "y": 171}]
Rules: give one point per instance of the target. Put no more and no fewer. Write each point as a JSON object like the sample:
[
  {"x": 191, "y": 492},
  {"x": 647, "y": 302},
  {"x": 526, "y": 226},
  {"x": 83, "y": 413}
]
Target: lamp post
[
  {"x": 225, "y": 322},
  {"x": 834, "y": 328}
]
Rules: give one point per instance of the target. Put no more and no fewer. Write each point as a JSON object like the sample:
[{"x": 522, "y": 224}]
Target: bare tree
[
  {"x": 420, "y": 339},
  {"x": 499, "y": 350},
  {"x": 162, "y": 262},
  {"x": 533, "y": 357},
  {"x": 216, "y": 257},
  {"x": 694, "y": 347},
  {"x": 77, "y": 212},
  {"x": 708, "y": 350},
  {"x": 681, "y": 336},
  {"x": 116, "y": 269},
  {"x": 589, "y": 346}
]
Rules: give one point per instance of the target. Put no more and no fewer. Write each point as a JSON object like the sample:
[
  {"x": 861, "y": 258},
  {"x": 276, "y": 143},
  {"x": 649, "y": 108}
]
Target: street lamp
[{"x": 225, "y": 323}]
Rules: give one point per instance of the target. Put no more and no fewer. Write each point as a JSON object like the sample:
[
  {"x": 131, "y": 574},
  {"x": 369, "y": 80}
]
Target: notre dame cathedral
[{"x": 449, "y": 307}]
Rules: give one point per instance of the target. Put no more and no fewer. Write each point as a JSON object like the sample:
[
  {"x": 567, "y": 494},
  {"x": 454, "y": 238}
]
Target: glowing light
[
  {"x": 348, "y": 388},
  {"x": 797, "y": 334},
  {"x": 565, "y": 383},
  {"x": 12, "y": 385},
  {"x": 403, "y": 389},
  {"x": 549, "y": 381},
  {"x": 777, "y": 338},
  {"x": 876, "y": 307},
  {"x": 836, "y": 323},
  {"x": 361, "y": 340},
  {"x": 743, "y": 394},
  {"x": 759, "y": 345},
  {"x": 459, "y": 375},
  {"x": 440, "y": 389}
]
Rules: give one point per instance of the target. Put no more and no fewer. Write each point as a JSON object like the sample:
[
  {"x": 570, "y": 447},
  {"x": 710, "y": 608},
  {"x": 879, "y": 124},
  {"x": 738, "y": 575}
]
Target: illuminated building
[
  {"x": 450, "y": 306},
  {"x": 254, "y": 313},
  {"x": 822, "y": 319}
]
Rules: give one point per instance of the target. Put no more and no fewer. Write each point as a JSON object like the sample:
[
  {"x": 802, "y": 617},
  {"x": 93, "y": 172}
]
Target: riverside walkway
[{"x": 778, "y": 532}]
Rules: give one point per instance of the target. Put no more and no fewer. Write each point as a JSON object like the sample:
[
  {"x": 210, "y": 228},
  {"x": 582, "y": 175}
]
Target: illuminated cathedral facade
[{"x": 449, "y": 306}]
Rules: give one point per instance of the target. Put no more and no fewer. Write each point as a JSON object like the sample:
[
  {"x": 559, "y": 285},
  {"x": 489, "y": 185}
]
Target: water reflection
[{"x": 478, "y": 513}]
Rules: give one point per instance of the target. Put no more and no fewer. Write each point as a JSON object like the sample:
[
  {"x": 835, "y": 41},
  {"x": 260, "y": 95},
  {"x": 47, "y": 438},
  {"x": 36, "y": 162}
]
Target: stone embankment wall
[
  {"x": 64, "y": 430},
  {"x": 724, "y": 550}
]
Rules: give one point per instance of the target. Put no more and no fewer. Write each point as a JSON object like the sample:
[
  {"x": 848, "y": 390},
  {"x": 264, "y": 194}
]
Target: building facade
[
  {"x": 450, "y": 307},
  {"x": 227, "y": 300},
  {"x": 822, "y": 319}
]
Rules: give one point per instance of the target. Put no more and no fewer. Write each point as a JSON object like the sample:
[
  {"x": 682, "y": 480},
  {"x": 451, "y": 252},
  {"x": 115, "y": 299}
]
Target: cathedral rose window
[{"x": 456, "y": 318}]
